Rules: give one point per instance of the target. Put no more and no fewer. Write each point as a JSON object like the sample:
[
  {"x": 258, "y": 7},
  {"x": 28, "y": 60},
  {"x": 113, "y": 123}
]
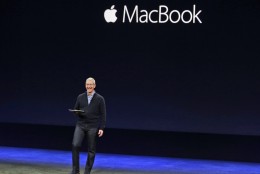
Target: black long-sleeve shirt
[{"x": 94, "y": 113}]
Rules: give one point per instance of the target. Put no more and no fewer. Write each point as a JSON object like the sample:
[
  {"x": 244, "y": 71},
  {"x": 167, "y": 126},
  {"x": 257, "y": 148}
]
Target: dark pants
[{"x": 91, "y": 134}]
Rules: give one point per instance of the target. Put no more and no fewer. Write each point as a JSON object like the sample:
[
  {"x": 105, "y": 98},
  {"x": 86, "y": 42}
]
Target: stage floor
[{"x": 41, "y": 161}]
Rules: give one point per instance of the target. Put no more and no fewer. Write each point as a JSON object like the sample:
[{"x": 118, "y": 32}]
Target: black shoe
[
  {"x": 86, "y": 172},
  {"x": 74, "y": 172}
]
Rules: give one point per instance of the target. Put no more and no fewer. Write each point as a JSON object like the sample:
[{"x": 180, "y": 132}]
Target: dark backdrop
[{"x": 169, "y": 77}]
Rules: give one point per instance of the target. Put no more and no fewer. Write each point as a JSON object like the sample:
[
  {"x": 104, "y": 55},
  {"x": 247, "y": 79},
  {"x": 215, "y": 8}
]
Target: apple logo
[{"x": 110, "y": 14}]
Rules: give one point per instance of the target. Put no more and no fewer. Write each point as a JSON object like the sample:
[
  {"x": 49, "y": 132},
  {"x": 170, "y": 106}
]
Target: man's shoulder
[
  {"x": 84, "y": 94},
  {"x": 99, "y": 96}
]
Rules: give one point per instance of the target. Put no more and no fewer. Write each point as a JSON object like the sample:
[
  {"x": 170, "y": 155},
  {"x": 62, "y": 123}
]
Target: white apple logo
[{"x": 110, "y": 14}]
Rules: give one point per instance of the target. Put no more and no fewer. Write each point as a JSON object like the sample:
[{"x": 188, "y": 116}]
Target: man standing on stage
[{"x": 90, "y": 124}]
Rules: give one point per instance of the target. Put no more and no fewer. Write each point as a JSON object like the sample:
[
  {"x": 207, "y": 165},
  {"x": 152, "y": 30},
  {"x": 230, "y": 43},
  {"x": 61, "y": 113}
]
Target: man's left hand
[{"x": 100, "y": 133}]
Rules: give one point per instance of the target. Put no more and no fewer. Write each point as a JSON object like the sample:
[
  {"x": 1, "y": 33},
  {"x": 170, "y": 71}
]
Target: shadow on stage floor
[{"x": 15, "y": 160}]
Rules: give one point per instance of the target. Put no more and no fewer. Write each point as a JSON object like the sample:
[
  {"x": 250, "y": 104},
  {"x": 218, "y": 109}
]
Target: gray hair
[{"x": 92, "y": 79}]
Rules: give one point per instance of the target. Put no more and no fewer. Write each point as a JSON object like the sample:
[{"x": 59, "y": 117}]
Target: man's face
[{"x": 90, "y": 86}]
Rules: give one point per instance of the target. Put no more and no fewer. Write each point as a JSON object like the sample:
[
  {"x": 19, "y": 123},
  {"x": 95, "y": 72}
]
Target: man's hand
[{"x": 100, "y": 133}]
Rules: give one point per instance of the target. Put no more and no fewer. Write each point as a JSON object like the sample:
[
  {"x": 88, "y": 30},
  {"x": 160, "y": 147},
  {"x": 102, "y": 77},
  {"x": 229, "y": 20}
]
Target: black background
[{"x": 169, "y": 77}]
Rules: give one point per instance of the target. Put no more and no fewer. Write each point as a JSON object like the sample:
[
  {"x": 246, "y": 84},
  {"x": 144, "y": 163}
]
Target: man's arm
[
  {"x": 77, "y": 106},
  {"x": 102, "y": 114}
]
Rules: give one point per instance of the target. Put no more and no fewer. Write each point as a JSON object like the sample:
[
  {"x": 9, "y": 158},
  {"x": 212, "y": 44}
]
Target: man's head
[{"x": 90, "y": 85}]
